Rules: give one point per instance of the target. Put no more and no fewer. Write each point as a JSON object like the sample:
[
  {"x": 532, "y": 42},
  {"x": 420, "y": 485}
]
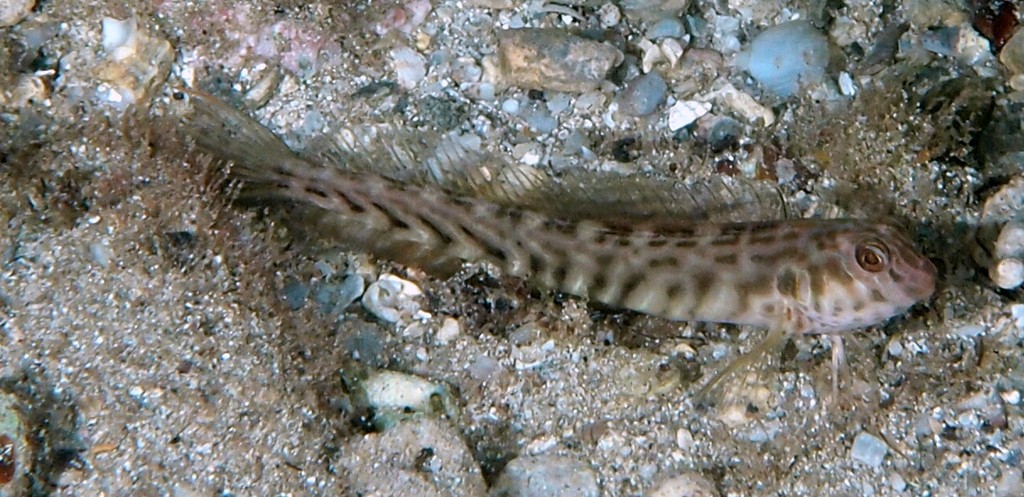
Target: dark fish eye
[{"x": 872, "y": 256}]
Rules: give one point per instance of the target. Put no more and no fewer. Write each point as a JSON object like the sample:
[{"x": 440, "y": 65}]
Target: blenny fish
[{"x": 790, "y": 276}]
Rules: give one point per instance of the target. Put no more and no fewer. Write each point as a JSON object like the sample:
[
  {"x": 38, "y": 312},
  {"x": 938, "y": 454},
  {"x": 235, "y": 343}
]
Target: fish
[{"x": 790, "y": 276}]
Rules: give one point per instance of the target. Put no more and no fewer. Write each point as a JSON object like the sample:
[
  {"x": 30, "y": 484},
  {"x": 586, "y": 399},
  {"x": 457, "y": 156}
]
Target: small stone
[
  {"x": 869, "y": 449},
  {"x": 448, "y": 331},
  {"x": 28, "y": 89},
  {"x": 545, "y": 476},
  {"x": 744, "y": 106},
  {"x": 846, "y": 86},
  {"x": 1012, "y": 54},
  {"x": 1011, "y": 240},
  {"x": 970, "y": 331},
  {"x": 1007, "y": 273},
  {"x": 786, "y": 57},
  {"x": 609, "y": 15},
  {"x": 295, "y": 294},
  {"x": 897, "y": 482},
  {"x": 1011, "y": 397},
  {"x": 643, "y": 95},
  {"x": 1017, "y": 312},
  {"x": 684, "y": 439},
  {"x": 672, "y": 50},
  {"x": 527, "y": 153},
  {"x": 484, "y": 368},
  {"x": 101, "y": 252},
  {"x": 510, "y": 106},
  {"x": 962, "y": 43},
  {"x": 539, "y": 118},
  {"x": 666, "y": 27},
  {"x": 410, "y": 66},
  {"x": 684, "y": 113},
  {"x": 14, "y": 11},
  {"x": 651, "y": 55},
  {"x": 553, "y": 59},
  {"x": 684, "y": 485}
]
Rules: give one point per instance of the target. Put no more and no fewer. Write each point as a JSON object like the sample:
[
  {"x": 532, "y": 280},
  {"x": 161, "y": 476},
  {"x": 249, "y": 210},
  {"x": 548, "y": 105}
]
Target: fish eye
[{"x": 872, "y": 256}]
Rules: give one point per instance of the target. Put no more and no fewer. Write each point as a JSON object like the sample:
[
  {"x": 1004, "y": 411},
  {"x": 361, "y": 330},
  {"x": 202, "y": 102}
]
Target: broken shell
[{"x": 135, "y": 63}]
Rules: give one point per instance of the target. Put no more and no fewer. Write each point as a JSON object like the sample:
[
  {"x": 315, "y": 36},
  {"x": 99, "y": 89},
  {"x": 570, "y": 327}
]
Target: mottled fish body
[{"x": 795, "y": 276}]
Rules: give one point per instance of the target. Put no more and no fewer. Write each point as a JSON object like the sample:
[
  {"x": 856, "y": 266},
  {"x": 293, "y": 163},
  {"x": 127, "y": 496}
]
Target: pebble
[
  {"x": 1012, "y": 55},
  {"x": 609, "y": 15},
  {"x": 14, "y": 11},
  {"x": 410, "y": 66},
  {"x": 15, "y": 451},
  {"x": 786, "y": 57},
  {"x": 448, "y": 331},
  {"x": 684, "y": 485},
  {"x": 510, "y": 106},
  {"x": 425, "y": 457},
  {"x": 539, "y": 118},
  {"x": 643, "y": 95},
  {"x": 846, "y": 86},
  {"x": 684, "y": 113},
  {"x": 396, "y": 396},
  {"x": 484, "y": 368},
  {"x": 666, "y": 27},
  {"x": 295, "y": 294},
  {"x": 545, "y": 476},
  {"x": 744, "y": 106},
  {"x": 553, "y": 59},
  {"x": 135, "y": 63},
  {"x": 962, "y": 43},
  {"x": 869, "y": 449},
  {"x": 1007, "y": 273}
]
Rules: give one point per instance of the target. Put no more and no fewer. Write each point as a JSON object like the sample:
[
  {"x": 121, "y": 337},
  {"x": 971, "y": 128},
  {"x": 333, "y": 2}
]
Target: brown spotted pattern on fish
[{"x": 791, "y": 276}]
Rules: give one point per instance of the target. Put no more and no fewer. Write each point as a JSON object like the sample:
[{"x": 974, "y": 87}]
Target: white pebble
[
  {"x": 895, "y": 348},
  {"x": 394, "y": 390},
  {"x": 846, "y": 86},
  {"x": 684, "y": 113},
  {"x": 1017, "y": 311},
  {"x": 1008, "y": 273},
  {"x": 410, "y": 66},
  {"x": 684, "y": 439},
  {"x": 1011, "y": 397},
  {"x": 869, "y": 449},
  {"x": 1011, "y": 241},
  {"x": 448, "y": 331},
  {"x": 510, "y": 106}
]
